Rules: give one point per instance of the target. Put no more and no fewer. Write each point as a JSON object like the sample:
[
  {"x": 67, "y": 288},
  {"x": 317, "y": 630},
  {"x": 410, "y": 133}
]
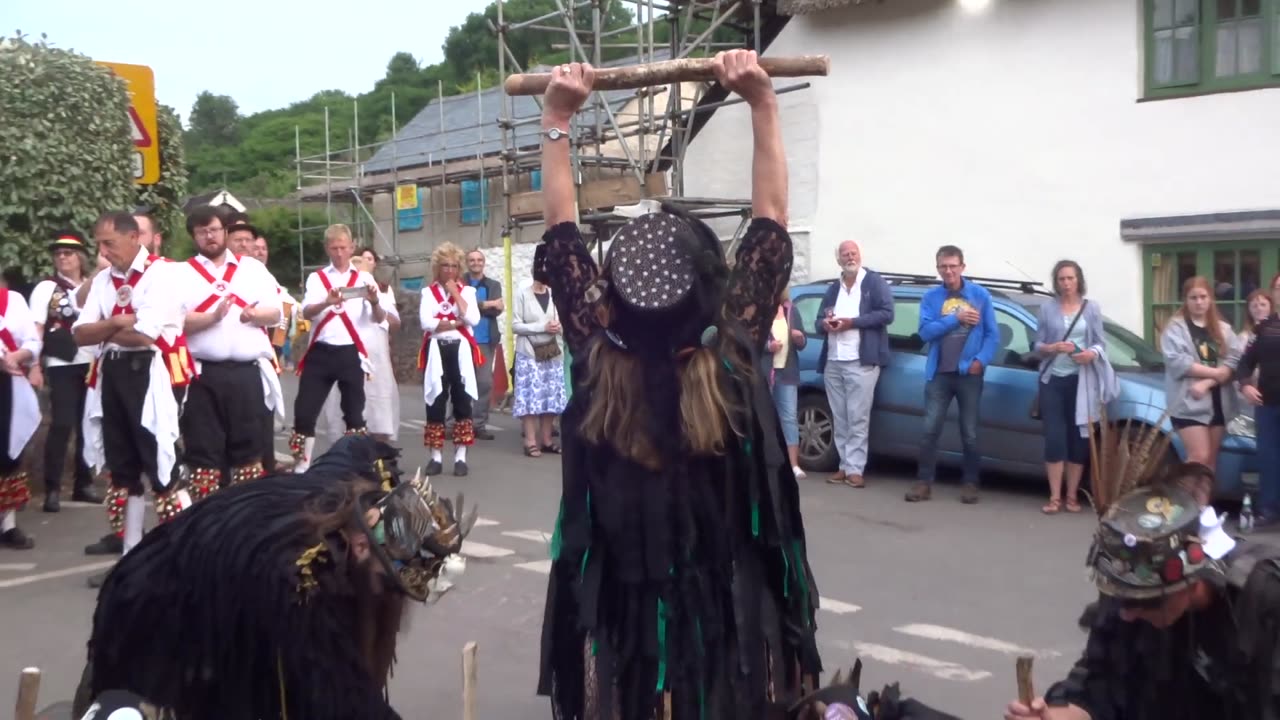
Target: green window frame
[
  {"x": 1193, "y": 47},
  {"x": 1234, "y": 268}
]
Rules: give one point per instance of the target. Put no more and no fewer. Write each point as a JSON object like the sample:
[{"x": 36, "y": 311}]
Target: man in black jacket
[{"x": 488, "y": 336}]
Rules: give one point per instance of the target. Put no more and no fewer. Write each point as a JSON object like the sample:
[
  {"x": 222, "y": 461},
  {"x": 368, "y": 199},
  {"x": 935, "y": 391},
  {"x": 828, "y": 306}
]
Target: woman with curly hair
[
  {"x": 680, "y": 584},
  {"x": 449, "y": 357}
]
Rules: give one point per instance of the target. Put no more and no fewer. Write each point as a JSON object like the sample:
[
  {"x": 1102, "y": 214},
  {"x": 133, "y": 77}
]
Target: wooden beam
[{"x": 667, "y": 72}]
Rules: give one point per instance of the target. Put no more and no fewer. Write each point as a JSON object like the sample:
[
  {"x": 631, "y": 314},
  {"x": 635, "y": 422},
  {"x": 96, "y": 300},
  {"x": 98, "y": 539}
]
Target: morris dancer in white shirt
[
  {"x": 449, "y": 357},
  {"x": 340, "y": 301},
  {"x": 19, "y": 413},
  {"x": 54, "y": 308},
  {"x": 133, "y": 310},
  {"x": 229, "y": 301}
]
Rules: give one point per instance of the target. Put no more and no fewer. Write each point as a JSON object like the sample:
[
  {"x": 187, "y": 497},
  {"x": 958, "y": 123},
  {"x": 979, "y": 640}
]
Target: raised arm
[{"x": 570, "y": 269}]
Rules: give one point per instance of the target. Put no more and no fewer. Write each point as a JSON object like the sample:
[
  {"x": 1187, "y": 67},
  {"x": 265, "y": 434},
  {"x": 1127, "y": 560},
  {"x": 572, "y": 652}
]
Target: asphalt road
[{"x": 939, "y": 596}]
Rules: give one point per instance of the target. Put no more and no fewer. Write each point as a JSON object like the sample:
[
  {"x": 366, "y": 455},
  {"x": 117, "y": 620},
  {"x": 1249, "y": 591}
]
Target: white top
[
  {"x": 21, "y": 325},
  {"x": 229, "y": 338},
  {"x": 358, "y": 309},
  {"x": 41, "y": 296},
  {"x": 387, "y": 300},
  {"x": 529, "y": 320},
  {"x": 430, "y": 311},
  {"x": 151, "y": 297},
  {"x": 844, "y": 345}
]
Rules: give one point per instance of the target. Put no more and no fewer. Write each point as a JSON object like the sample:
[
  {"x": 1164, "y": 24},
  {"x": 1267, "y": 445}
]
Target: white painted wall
[{"x": 1016, "y": 134}]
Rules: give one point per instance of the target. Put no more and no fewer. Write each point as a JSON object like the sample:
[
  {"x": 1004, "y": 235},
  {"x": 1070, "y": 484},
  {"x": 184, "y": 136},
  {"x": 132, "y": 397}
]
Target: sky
[{"x": 259, "y": 52}]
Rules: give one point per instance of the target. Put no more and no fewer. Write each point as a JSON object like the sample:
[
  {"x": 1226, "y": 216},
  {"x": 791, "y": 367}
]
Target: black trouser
[
  {"x": 325, "y": 365},
  {"x": 454, "y": 387},
  {"x": 269, "y": 441},
  {"x": 66, "y": 399},
  {"x": 221, "y": 420},
  {"x": 124, "y": 379},
  {"x": 8, "y": 465}
]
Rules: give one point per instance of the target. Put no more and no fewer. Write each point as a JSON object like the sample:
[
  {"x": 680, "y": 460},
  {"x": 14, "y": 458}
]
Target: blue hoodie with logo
[{"x": 939, "y": 318}]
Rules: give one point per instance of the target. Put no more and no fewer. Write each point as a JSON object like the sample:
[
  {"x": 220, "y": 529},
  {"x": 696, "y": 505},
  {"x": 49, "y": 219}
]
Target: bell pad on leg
[{"x": 433, "y": 435}]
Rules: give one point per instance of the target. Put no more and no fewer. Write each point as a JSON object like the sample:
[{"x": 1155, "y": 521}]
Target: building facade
[{"x": 1139, "y": 137}]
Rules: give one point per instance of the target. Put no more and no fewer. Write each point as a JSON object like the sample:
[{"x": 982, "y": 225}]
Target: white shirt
[
  {"x": 41, "y": 296},
  {"x": 429, "y": 310},
  {"x": 153, "y": 299},
  {"x": 229, "y": 338},
  {"x": 21, "y": 325},
  {"x": 387, "y": 300},
  {"x": 844, "y": 345},
  {"x": 358, "y": 309}
]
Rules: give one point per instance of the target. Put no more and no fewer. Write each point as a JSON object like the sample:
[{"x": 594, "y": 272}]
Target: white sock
[
  {"x": 798, "y": 472},
  {"x": 8, "y": 521},
  {"x": 134, "y": 511},
  {"x": 460, "y": 453},
  {"x": 437, "y": 455}
]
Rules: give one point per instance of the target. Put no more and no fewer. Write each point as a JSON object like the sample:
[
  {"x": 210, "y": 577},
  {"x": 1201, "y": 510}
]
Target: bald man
[{"x": 855, "y": 314}]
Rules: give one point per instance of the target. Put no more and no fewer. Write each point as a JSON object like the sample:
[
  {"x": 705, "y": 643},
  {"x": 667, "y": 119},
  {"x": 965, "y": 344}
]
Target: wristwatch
[{"x": 555, "y": 133}]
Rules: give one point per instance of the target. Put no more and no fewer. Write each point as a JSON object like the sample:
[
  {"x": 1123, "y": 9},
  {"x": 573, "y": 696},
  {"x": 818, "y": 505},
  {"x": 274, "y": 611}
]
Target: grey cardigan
[
  {"x": 1098, "y": 383},
  {"x": 1179, "y": 355}
]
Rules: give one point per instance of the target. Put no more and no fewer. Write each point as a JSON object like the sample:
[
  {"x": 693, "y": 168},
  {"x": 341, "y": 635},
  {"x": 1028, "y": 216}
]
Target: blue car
[{"x": 1011, "y": 441}]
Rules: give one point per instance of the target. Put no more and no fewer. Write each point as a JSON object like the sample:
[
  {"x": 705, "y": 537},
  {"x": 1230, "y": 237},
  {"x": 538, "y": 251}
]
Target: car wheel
[{"x": 817, "y": 434}]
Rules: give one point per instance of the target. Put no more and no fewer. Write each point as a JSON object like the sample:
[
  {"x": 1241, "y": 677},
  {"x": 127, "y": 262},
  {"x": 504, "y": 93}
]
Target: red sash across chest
[
  {"x": 6, "y": 337},
  {"x": 338, "y": 311},
  {"x": 178, "y": 361},
  {"x": 477, "y": 356}
]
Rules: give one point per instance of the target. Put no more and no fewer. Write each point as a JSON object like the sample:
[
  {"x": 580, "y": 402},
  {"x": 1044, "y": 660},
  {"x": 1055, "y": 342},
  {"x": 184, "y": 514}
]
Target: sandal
[
  {"x": 1073, "y": 505},
  {"x": 552, "y": 448},
  {"x": 532, "y": 451},
  {"x": 1053, "y": 508}
]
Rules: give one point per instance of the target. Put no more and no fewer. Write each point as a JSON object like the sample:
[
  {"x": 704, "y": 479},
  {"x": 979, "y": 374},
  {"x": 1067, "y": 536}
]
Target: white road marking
[
  {"x": 480, "y": 550},
  {"x": 284, "y": 457},
  {"x": 80, "y": 504},
  {"x": 542, "y": 567},
  {"x": 17, "y": 567},
  {"x": 946, "y": 634},
  {"x": 486, "y": 522},
  {"x": 416, "y": 424},
  {"x": 55, "y": 574},
  {"x": 937, "y": 668},
  {"x": 531, "y": 535},
  {"x": 837, "y": 607}
]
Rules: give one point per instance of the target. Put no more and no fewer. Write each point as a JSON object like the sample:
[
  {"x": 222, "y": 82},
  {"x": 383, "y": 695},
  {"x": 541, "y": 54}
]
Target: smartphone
[{"x": 351, "y": 293}]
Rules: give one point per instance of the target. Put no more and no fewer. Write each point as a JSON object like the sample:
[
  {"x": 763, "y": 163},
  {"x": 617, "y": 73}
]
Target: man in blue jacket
[
  {"x": 855, "y": 312},
  {"x": 958, "y": 323}
]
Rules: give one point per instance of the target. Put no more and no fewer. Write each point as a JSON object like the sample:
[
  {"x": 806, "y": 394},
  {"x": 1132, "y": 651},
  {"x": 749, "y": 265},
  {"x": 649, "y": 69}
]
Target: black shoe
[
  {"x": 87, "y": 494},
  {"x": 460, "y": 468},
  {"x": 95, "y": 581},
  {"x": 15, "y": 539},
  {"x": 109, "y": 544},
  {"x": 484, "y": 435},
  {"x": 433, "y": 468},
  {"x": 52, "y": 501}
]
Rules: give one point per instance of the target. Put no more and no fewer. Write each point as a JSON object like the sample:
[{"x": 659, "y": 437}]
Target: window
[
  {"x": 1233, "y": 269},
  {"x": 1195, "y": 46},
  {"x": 475, "y": 201},
  {"x": 905, "y": 328},
  {"x": 807, "y": 307},
  {"x": 535, "y": 180},
  {"x": 410, "y": 208},
  {"x": 411, "y": 284},
  {"x": 1016, "y": 337}
]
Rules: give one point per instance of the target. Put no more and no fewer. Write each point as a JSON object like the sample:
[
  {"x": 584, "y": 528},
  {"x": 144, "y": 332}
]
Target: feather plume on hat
[{"x": 1123, "y": 457}]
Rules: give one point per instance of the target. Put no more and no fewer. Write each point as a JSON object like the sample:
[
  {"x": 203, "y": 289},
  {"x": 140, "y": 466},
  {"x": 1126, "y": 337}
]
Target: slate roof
[{"x": 471, "y": 128}]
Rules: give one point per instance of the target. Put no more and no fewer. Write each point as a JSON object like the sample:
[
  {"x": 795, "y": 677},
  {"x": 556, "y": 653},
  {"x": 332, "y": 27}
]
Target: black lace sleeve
[
  {"x": 572, "y": 272},
  {"x": 761, "y": 269}
]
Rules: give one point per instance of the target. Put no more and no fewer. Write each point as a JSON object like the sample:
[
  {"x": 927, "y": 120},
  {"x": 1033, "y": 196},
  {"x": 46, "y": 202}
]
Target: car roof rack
[{"x": 1030, "y": 287}]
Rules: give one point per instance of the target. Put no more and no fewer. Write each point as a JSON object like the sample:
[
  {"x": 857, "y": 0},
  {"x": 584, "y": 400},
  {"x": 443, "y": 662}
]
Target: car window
[
  {"x": 807, "y": 306},
  {"x": 1127, "y": 351},
  {"x": 1016, "y": 337},
  {"x": 904, "y": 330}
]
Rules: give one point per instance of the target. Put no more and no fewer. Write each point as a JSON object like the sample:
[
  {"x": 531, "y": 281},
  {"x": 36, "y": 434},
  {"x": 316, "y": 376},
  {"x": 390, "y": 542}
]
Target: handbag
[
  {"x": 1034, "y": 411},
  {"x": 546, "y": 351}
]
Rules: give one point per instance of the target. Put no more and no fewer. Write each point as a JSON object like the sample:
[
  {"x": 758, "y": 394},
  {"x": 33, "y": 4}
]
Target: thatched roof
[{"x": 806, "y": 7}]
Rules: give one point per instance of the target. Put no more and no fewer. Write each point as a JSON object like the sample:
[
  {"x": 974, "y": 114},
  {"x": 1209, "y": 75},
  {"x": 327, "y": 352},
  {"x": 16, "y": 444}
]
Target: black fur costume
[{"x": 243, "y": 608}]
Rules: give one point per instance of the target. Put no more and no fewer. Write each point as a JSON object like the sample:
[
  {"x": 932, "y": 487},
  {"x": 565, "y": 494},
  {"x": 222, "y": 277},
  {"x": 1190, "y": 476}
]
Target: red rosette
[
  {"x": 1195, "y": 554},
  {"x": 1172, "y": 571}
]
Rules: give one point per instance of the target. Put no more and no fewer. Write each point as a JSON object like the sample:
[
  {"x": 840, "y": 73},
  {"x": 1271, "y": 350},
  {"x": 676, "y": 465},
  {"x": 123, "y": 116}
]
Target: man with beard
[
  {"x": 132, "y": 313},
  {"x": 229, "y": 300},
  {"x": 292, "y": 590},
  {"x": 342, "y": 301},
  {"x": 54, "y": 307}
]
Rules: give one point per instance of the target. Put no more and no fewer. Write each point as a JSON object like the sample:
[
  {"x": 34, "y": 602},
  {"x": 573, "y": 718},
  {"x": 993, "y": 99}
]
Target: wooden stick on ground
[
  {"x": 469, "y": 677},
  {"x": 28, "y": 692},
  {"x": 1026, "y": 690},
  {"x": 670, "y": 71}
]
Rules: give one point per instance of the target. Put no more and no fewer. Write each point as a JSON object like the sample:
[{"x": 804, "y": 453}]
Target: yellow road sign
[{"x": 142, "y": 119}]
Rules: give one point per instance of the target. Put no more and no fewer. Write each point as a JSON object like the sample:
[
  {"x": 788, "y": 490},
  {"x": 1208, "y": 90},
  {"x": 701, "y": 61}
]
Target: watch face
[{"x": 554, "y": 133}]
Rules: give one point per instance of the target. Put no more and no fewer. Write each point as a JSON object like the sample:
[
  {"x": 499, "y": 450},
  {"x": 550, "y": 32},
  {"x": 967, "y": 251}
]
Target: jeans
[
  {"x": 1062, "y": 439},
  {"x": 938, "y": 392},
  {"x": 784, "y": 400},
  {"x": 1267, "y": 418}
]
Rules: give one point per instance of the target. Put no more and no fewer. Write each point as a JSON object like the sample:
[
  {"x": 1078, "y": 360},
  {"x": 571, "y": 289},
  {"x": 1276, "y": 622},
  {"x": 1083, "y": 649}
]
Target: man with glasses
[
  {"x": 488, "y": 337},
  {"x": 958, "y": 324}
]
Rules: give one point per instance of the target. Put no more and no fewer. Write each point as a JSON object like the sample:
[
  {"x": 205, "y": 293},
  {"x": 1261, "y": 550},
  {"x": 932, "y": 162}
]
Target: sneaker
[
  {"x": 969, "y": 495},
  {"x": 920, "y": 493}
]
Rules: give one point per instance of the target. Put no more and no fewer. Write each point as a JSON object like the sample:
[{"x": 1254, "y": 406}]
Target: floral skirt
[{"x": 539, "y": 386}]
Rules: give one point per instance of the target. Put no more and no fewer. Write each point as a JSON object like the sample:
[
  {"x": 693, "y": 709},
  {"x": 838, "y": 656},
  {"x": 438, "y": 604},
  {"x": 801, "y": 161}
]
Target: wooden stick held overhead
[
  {"x": 671, "y": 71},
  {"x": 28, "y": 693},
  {"x": 1026, "y": 690}
]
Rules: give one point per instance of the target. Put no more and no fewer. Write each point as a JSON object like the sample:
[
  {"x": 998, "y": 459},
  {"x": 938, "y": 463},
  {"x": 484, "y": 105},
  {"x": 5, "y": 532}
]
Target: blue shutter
[
  {"x": 412, "y": 219},
  {"x": 536, "y": 180},
  {"x": 475, "y": 205}
]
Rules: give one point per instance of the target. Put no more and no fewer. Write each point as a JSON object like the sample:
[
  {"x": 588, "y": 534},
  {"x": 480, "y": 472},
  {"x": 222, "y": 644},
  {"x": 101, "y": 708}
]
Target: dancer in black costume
[
  {"x": 279, "y": 598},
  {"x": 680, "y": 585}
]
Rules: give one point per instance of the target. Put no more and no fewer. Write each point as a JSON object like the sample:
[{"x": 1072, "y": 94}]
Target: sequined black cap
[{"x": 651, "y": 262}]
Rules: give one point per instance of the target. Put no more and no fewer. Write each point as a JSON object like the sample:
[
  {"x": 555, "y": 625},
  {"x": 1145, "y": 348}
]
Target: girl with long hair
[
  {"x": 680, "y": 586},
  {"x": 1200, "y": 355}
]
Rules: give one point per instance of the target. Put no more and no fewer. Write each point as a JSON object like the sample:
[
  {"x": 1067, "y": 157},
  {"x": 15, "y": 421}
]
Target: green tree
[
  {"x": 214, "y": 120},
  {"x": 279, "y": 225},
  {"x": 65, "y": 146}
]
